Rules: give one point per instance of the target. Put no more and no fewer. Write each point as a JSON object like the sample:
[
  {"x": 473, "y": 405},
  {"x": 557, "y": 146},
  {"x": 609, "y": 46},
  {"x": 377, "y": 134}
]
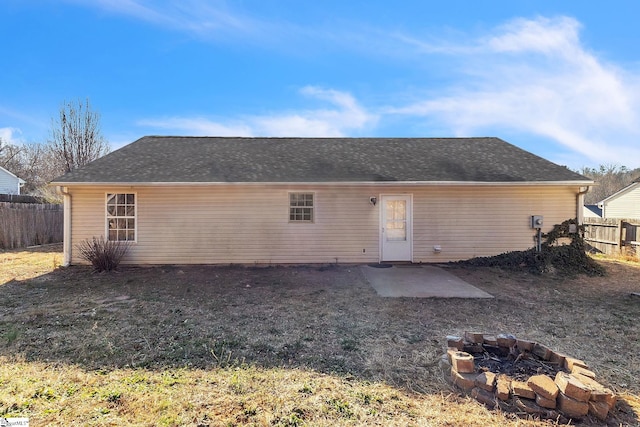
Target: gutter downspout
[
  {"x": 580, "y": 203},
  {"x": 66, "y": 245}
]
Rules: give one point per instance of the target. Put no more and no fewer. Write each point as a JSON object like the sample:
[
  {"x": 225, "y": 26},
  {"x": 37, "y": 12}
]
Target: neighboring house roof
[
  {"x": 11, "y": 174},
  {"x": 592, "y": 211},
  {"x": 633, "y": 185},
  {"x": 10, "y": 179},
  {"x": 165, "y": 159}
]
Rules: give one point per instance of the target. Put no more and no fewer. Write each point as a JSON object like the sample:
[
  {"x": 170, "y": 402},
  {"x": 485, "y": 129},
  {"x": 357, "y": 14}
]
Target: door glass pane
[{"x": 396, "y": 220}]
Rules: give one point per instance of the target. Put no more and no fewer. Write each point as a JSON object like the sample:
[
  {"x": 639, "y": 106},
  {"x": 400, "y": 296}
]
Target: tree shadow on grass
[
  {"x": 326, "y": 319},
  {"x": 200, "y": 316}
]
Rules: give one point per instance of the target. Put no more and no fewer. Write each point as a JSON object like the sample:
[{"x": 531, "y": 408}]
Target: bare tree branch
[
  {"x": 610, "y": 179},
  {"x": 9, "y": 155},
  {"x": 75, "y": 141},
  {"x": 76, "y": 138}
]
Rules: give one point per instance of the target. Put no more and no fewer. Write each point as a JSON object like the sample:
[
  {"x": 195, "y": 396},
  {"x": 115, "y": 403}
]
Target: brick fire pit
[{"x": 525, "y": 377}]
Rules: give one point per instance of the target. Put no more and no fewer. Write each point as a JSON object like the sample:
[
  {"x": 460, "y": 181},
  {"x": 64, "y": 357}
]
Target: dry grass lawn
[{"x": 218, "y": 346}]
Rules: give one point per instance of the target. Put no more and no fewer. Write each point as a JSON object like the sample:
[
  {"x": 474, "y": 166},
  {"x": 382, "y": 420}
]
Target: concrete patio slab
[{"x": 419, "y": 281}]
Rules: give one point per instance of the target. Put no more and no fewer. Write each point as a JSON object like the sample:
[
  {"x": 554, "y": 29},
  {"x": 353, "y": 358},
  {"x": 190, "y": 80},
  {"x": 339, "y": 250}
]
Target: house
[
  {"x": 623, "y": 204},
  {"x": 591, "y": 211},
  {"x": 9, "y": 183},
  {"x": 210, "y": 200}
]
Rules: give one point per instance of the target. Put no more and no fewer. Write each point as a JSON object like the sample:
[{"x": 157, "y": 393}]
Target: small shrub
[{"x": 104, "y": 255}]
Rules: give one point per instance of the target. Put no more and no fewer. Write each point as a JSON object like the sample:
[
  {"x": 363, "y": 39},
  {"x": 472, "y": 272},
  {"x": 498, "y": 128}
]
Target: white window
[
  {"x": 396, "y": 220},
  {"x": 121, "y": 217},
  {"x": 301, "y": 207}
]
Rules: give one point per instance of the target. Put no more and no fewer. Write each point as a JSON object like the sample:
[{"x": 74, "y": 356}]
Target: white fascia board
[
  {"x": 619, "y": 193},
  {"x": 336, "y": 183},
  {"x": 9, "y": 172}
]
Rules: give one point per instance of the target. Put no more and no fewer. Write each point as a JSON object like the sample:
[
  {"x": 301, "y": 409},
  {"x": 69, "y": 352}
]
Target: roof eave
[{"x": 580, "y": 183}]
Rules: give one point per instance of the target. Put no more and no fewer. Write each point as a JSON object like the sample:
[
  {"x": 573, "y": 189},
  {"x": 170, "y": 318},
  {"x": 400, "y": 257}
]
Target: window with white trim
[
  {"x": 301, "y": 207},
  {"x": 121, "y": 217}
]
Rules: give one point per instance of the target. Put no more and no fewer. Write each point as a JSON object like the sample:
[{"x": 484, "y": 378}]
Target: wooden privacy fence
[
  {"x": 613, "y": 236},
  {"x": 28, "y": 224},
  {"x": 19, "y": 198}
]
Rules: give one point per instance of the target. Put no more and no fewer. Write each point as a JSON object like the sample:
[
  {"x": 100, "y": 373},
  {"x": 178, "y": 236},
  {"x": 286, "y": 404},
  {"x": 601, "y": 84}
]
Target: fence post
[{"x": 620, "y": 238}]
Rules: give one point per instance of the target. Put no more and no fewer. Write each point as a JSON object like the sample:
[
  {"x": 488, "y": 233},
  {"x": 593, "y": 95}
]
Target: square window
[{"x": 301, "y": 207}]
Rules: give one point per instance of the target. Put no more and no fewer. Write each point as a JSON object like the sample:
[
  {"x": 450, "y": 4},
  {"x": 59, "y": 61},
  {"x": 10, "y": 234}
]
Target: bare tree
[
  {"x": 39, "y": 167},
  {"x": 76, "y": 138},
  {"x": 9, "y": 156},
  {"x": 610, "y": 179},
  {"x": 33, "y": 162}
]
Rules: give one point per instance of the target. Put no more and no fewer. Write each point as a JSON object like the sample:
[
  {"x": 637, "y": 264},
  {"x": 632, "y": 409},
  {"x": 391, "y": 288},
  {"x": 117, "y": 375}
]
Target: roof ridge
[
  {"x": 251, "y": 159},
  {"x": 399, "y": 138}
]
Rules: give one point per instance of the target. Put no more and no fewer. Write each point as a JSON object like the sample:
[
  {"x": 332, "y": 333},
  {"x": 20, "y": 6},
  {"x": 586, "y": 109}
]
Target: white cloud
[
  {"x": 345, "y": 116},
  {"x": 10, "y": 135},
  {"x": 535, "y": 76},
  {"x": 196, "y": 126},
  {"x": 529, "y": 76},
  {"x": 200, "y": 17},
  {"x": 543, "y": 35},
  {"x": 295, "y": 125}
]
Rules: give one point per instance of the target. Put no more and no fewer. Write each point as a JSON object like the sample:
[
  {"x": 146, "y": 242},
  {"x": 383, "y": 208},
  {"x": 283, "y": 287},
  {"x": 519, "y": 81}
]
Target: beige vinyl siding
[
  {"x": 626, "y": 205},
  {"x": 236, "y": 224},
  {"x": 467, "y": 222},
  {"x": 250, "y": 224}
]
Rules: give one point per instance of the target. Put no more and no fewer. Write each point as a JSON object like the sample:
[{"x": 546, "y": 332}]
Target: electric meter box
[{"x": 536, "y": 221}]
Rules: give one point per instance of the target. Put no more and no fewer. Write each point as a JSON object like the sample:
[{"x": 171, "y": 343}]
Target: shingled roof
[{"x": 168, "y": 159}]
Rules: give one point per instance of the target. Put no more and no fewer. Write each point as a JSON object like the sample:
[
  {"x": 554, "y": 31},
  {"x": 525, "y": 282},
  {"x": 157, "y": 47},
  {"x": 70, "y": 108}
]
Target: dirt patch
[
  {"x": 562, "y": 252},
  {"x": 326, "y": 320},
  {"x": 559, "y": 260}
]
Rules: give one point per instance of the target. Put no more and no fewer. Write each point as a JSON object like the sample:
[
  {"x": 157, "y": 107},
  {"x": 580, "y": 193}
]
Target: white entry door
[{"x": 396, "y": 228}]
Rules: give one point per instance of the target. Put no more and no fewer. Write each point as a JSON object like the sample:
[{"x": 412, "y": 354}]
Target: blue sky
[{"x": 558, "y": 78}]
